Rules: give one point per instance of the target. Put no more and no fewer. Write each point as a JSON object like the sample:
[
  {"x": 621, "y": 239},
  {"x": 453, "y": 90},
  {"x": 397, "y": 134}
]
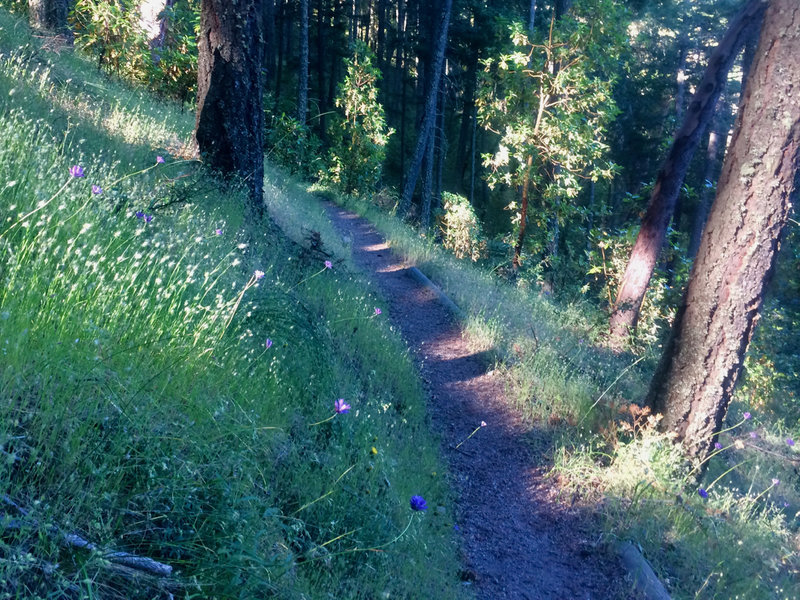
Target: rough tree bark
[
  {"x": 670, "y": 178},
  {"x": 703, "y": 358},
  {"x": 427, "y": 126},
  {"x": 230, "y": 117}
]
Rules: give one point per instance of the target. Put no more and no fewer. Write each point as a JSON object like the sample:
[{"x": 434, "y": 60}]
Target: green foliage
[
  {"x": 111, "y": 32},
  {"x": 550, "y": 102},
  {"x": 360, "y": 136},
  {"x": 293, "y": 146},
  {"x": 461, "y": 230}
]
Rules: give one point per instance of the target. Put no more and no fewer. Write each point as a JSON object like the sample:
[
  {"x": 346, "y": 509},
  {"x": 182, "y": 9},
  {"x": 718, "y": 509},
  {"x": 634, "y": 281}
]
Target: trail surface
[{"x": 519, "y": 540}]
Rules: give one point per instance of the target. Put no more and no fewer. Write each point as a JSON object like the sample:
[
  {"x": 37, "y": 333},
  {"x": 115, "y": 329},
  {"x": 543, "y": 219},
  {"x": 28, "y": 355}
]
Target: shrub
[
  {"x": 360, "y": 135},
  {"x": 461, "y": 229},
  {"x": 293, "y": 146}
]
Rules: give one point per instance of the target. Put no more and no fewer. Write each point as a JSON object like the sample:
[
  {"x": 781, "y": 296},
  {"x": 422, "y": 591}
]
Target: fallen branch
[{"x": 73, "y": 540}]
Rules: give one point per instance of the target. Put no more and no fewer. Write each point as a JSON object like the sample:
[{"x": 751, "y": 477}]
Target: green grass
[{"x": 140, "y": 406}]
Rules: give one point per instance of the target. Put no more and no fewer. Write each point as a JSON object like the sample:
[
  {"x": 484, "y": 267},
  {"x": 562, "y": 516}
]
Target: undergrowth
[{"x": 174, "y": 378}]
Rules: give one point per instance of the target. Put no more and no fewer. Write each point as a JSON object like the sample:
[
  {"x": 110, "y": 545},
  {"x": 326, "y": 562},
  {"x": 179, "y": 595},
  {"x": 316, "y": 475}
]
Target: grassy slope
[{"x": 140, "y": 405}]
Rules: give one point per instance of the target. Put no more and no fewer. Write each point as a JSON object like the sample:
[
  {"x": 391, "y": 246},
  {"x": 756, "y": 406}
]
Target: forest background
[{"x": 351, "y": 89}]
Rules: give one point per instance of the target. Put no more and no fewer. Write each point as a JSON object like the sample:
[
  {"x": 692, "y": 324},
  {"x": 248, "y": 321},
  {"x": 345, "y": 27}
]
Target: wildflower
[
  {"x": 739, "y": 444},
  {"x": 148, "y": 218},
  {"x": 418, "y": 503},
  {"x": 703, "y": 493},
  {"x": 258, "y": 274},
  {"x": 218, "y": 231},
  {"x": 717, "y": 446},
  {"x": 96, "y": 189},
  {"x": 746, "y": 416},
  {"x": 268, "y": 343},
  {"x": 328, "y": 264},
  {"x": 753, "y": 434},
  {"x": 159, "y": 160},
  {"x": 139, "y": 214},
  {"x": 76, "y": 171},
  {"x": 341, "y": 407},
  {"x": 776, "y": 481},
  {"x": 377, "y": 311},
  {"x": 483, "y": 423},
  {"x": 789, "y": 442}
]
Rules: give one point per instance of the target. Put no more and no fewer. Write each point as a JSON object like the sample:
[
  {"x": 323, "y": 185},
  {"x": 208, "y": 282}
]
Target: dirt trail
[{"x": 519, "y": 541}]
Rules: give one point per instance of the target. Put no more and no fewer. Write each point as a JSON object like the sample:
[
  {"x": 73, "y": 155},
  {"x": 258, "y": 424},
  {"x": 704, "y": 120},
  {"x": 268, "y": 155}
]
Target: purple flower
[
  {"x": 328, "y": 264},
  {"x": 753, "y": 434},
  {"x": 776, "y": 481},
  {"x": 703, "y": 493},
  {"x": 218, "y": 231},
  {"x": 717, "y": 446},
  {"x": 789, "y": 442},
  {"x": 139, "y": 214},
  {"x": 268, "y": 343},
  {"x": 76, "y": 171},
  {"x": 258, "y": 274},
  {"x": 96, "y": 189},
  {"x": 746, "y": 416},
  {"x": 159, "y": 160},
  {"x": 418, "y": 503},
  {"x": 148, "y": 218},
  {"x": 377, "y": 311},
  {"x": 341, "y": 407}
]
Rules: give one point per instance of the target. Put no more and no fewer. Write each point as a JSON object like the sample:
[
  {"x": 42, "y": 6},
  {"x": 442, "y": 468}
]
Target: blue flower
[
  {"x": 418, "y": 503},
  {"x": 703, "y": 493}
]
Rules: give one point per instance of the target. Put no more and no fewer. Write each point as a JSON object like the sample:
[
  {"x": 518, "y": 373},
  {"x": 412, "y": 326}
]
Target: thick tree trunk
[
  {"x": 48, "y": 15},
  {"x": 670, "y": 178},
  {"x": 302, "y": 78},
  {"x": 426, "y": 129},
  {"x": 230, "y": 117},
  {"x": 702, "y": 361}
]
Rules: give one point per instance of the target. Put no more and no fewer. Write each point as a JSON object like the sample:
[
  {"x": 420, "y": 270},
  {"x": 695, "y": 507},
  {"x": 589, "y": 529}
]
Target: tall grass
[{"x": 159, "y": 396}]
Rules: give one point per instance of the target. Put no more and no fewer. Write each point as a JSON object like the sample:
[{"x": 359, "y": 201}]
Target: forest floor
[{"x": 521, "y": 537}]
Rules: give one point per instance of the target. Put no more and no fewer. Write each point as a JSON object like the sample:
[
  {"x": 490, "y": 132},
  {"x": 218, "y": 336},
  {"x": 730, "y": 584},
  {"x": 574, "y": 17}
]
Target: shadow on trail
[{"x": 519, "y": 539}]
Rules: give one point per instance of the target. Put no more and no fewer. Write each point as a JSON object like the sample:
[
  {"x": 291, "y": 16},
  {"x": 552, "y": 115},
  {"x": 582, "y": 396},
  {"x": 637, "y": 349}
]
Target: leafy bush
[
  {"x": 111, "y": 31},
  {"x": 293, "y": 146},
  {"x": 360, "y": 135},
  {"x": 461, "y": 230}
]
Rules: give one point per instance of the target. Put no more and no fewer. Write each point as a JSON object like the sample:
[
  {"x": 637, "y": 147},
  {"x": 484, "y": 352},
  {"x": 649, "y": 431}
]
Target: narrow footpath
[{"x": 519, "y": 540}]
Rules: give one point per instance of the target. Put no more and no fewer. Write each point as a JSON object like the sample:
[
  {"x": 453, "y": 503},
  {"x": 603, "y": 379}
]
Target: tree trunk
[
  {"x": 426, "y": 129},
  {"x": 49, "y": 15},
  {"x": 230, "y": 117},
  {"x": 703, "y": 358},
  {"x": 670, "y": 178},
  {"x": 152, "y": 22},
  {"x": 302, "y": 79}
]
